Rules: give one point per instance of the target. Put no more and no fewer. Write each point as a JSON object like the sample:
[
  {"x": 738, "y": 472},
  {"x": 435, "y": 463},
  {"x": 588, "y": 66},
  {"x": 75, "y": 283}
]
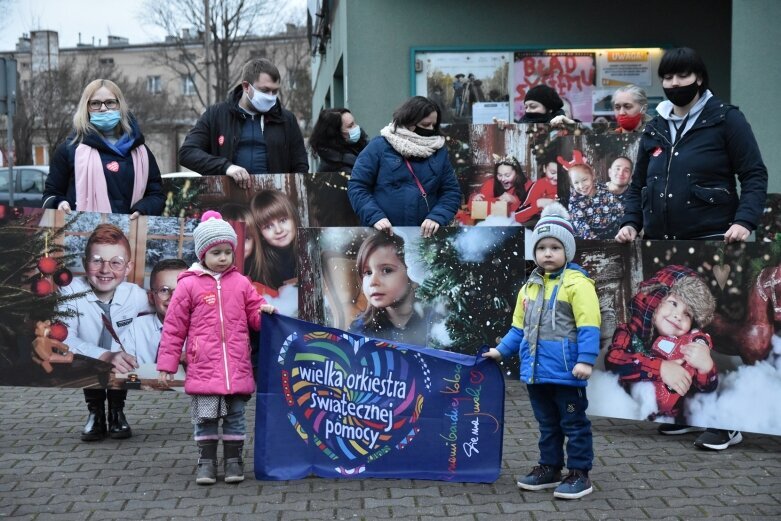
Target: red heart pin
[{"x": 113, "y": 166}]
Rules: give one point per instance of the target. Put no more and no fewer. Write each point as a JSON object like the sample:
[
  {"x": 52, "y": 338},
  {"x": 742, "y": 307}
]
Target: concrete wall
[
  {"x": 374, "y": 37},
  {"x": 756, "y": 76}
]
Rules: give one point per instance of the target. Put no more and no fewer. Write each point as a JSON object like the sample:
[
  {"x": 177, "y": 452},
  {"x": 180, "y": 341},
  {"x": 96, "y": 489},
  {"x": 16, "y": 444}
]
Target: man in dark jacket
[{"x": 249, "y": 133}]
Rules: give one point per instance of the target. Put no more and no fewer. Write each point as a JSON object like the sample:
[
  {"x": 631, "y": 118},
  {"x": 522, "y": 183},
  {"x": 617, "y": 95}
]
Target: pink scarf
[{"x": 91, "y": 189}]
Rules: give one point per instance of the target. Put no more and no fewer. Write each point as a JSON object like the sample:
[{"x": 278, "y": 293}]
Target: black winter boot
[
  {"x": 118, "y": 428},
  {"x": 207, "y": 463},
  {"x": 95, "y": 428},
  {"x": 233, "y": 461}
]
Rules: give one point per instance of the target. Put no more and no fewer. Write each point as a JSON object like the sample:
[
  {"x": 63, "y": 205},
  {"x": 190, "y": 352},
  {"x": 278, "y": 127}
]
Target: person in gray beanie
[
  {"x": 213, "y": 309},
  {"x": 555, "y": 331}
]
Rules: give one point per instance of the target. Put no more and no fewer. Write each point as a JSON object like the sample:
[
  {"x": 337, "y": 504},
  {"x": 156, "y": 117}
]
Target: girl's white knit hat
[{"x": 212, "y": 231}]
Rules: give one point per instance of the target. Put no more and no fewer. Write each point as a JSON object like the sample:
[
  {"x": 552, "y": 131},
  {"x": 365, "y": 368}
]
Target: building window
[
  {"x": 106, "y": 61},
  {"x": 188, "y": 85},
  {"x": 153, "y": 84}
]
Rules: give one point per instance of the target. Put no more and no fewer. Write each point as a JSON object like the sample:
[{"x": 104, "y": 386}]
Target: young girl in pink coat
[{"x": 213, "y": 308}]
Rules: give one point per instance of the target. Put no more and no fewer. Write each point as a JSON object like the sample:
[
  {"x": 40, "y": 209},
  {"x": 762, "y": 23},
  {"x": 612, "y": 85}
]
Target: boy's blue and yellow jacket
[{"x": 555, "y": 326}]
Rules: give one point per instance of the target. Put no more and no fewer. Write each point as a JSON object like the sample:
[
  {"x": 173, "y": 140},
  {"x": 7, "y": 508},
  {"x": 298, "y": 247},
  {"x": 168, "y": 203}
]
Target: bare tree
[
  {"x": 230, "y": 23},
  {"x": 47, "y": 102}
]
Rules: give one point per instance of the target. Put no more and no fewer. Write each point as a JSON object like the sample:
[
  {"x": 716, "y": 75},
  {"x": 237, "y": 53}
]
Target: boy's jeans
[
  {"x": 561, "y": 411},
  {"x": 233, "y": 424}
]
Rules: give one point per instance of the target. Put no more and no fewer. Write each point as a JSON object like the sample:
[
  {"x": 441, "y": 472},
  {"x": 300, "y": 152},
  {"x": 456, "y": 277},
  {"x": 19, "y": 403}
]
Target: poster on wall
[
  {"x": 469, "y": 87},
  {"x": 340, "y": 405},
  {"x": 573, "y": 75}
]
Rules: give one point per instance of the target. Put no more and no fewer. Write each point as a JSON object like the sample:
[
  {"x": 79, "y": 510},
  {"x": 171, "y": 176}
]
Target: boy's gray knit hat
[
  {"x": 212, "y": 231},
  {"x": 555, "y": 223}
]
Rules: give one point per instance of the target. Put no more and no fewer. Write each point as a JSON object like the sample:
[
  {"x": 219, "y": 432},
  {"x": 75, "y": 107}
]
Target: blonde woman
[{"x": 104, "y": 165}]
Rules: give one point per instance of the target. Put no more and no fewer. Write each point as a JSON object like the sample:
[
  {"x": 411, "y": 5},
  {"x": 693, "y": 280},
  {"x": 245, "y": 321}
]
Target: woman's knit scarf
[{"x": 409, "y": 144}]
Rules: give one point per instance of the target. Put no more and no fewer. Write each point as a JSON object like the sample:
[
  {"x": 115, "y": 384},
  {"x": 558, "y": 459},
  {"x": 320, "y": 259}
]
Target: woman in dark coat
[
  {"x": 104, "y": 165},
  {"x": 684, "y": 183},
  {"x": 337, "y": 140},
  {"x": 404, "y": 176}
]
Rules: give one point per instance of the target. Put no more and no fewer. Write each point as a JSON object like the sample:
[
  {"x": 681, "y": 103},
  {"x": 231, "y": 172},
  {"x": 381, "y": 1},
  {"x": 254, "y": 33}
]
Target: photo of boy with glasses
[
  {"x": 101, "y": 316},
  {"x": 142, "y": 337}
]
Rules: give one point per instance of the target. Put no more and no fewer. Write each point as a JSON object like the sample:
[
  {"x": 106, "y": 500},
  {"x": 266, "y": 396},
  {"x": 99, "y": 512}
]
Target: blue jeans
[
  {"x": 561, "y": 411},
  {"x": 233, "y": 424}
]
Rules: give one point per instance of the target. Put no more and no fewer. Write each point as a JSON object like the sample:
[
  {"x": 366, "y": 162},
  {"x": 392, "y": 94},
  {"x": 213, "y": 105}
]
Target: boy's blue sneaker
[
  {"x": 575, "y": 485},
  {"x": 541, "y": 476}
]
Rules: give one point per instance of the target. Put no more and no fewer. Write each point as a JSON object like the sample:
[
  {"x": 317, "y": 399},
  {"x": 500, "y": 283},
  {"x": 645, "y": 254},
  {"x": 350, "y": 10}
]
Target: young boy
[
  {"x": 142, "y": 337},
  {"x": 110, "y": 306},
  {"x": 556, "y": 331},
  {"x": 661, "y": 344}
]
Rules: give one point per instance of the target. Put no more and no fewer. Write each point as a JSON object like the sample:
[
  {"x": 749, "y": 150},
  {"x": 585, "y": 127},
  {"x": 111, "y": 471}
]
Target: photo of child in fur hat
[{"x": 663, "y": 341}]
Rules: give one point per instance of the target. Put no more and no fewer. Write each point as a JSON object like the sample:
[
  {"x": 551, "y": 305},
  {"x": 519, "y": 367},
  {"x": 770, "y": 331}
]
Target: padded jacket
[
  {"x": 61, "y": 181},
  {"x": 382, "y": 186},
  {"x": 555, "y": 326},
  {"x": 214, "y": 317},
  {"x": 688, "y": 191},
  {"x": 211, "y": 144}
]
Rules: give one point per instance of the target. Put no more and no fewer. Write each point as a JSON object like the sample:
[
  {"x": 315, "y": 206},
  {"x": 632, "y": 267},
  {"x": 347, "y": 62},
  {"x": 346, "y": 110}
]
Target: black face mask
[
  {"x": 425, "y": 132},
  {"x": 536, "y": 117},
  {"x": 682, "y": 96}
]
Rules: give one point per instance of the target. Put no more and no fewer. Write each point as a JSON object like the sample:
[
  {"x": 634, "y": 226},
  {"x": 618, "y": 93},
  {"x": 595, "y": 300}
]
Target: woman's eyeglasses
[
  {"x": 110, "y": 104},
  {"x": 114, "y": 263}
]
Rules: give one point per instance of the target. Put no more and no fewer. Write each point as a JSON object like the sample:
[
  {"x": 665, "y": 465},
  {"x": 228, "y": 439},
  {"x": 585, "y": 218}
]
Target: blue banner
[{"x": 335, "y": 404}]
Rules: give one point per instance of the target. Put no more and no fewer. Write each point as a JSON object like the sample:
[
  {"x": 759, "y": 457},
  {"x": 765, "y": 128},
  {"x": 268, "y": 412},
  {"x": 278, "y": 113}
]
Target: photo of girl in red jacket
[
  {"x": 508, "y": 184},
  {"x": 209, "y": 316}
]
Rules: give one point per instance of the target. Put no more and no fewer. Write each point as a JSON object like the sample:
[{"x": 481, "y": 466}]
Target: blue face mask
[
  {"x": 354, "y": 135},
  {"x": 105, "y": 121}
]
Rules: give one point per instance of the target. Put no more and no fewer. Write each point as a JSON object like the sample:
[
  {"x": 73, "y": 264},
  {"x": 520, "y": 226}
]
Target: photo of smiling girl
[
  {"x": 508, "y": 184},
  {"x": 272, "y": 227},
  {"x": 392, "y": 312},
  {"x": 596, "y": 213}
]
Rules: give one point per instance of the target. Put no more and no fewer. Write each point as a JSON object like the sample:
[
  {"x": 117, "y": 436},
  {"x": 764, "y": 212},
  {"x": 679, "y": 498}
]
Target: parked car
[{"x": 28, "y": 186}]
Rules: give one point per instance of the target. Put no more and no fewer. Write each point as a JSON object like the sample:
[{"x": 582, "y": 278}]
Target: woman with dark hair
[
  {"x": 508, "y": 184},
  {"x": 684, "y": 183},
  {"x": 337, "y": 140},
  {"x": 404, "y": 176},
  {"x": 542, "y": 104}
]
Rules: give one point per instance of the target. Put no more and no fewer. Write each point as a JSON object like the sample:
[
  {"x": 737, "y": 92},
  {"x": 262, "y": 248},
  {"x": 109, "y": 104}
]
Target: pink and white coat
[{"x": 214, "y": 317}]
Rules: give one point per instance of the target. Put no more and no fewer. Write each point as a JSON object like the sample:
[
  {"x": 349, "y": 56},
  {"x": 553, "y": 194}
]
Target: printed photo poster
[
  {"x": 727, "y": 344},
  {"x": 469, "y": 87},
  {"x": 769, "y": 229},
  {"x": 50, "y": 324},
  {"x": 327, "y": 201},
  {"x": 573, "y": 75},
  {"x": 513, "y": 168},
  {"x": 335, "y": 404},
  {"x": 273, "y": 208},
  {"x": 453, "y": 291},
  {"x": 597, "y": 171}
]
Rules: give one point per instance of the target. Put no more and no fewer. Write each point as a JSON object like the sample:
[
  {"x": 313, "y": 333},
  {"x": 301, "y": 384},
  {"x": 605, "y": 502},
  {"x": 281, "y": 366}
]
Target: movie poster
[
  {"x": 573, "y": 75},
  {"x": 468, "y": 87}
]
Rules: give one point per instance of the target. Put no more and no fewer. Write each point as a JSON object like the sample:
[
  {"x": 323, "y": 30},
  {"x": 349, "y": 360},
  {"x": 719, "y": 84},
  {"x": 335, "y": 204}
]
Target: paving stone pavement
[{"x": 47, "y": 473}]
